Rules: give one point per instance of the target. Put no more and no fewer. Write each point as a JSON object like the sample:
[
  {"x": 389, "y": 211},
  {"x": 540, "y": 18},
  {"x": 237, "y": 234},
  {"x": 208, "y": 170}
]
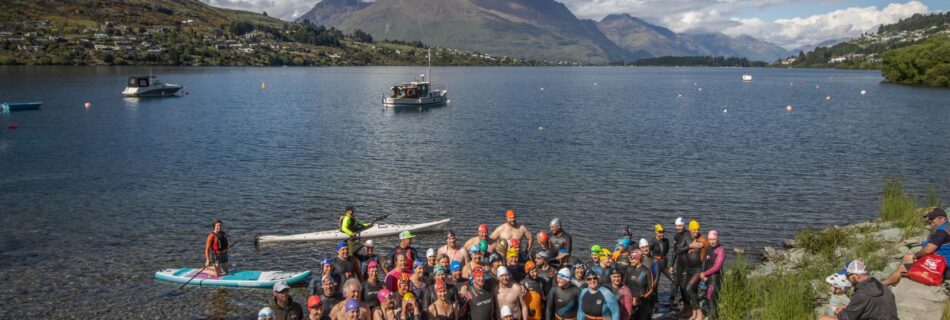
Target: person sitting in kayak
[
  {"x": 216, "y": 250},
  {"x": 349, "y": 225}
]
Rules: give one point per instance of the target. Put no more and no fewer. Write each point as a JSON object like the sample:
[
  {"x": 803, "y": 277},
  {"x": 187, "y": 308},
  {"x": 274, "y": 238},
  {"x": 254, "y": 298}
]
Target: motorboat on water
[
  {"x": 747, "y": 77},
  {"x": 149, "y": 86},
  {"x": 19, "y": 106},
  {"x": 421, "y": 93}
]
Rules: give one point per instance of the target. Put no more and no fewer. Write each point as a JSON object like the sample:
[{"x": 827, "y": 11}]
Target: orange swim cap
[
  {"x": 483, "y": 228},
  {"x": 510, "y": 214},
  {"x": 543, "y": 236},
  {"x": 528, "y": 266}
]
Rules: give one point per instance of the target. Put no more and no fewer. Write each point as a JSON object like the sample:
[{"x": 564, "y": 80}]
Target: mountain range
[{"x": 535, "y": 29}]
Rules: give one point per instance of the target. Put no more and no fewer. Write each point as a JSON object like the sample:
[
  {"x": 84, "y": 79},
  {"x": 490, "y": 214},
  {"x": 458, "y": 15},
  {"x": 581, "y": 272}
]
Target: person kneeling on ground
[
  {"x": 871, "y": 300},
  {"x": 938, "y": 242}
]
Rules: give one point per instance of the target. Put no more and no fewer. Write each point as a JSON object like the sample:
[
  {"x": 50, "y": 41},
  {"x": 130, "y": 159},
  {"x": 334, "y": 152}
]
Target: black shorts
[{"x": 219, "y": 258}]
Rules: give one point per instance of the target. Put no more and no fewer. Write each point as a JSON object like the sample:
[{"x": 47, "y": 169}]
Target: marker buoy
[
  {"x": 817, "y": 87},
  {"x": 791, "y": 84},
  {"x": 863, "y": 92},
  {"x": 263, "y": 85},
  {"x": 13, "y": 126},
  {"x": 87, "y": 105},
  {"x": 540, "y": 128},
  {"x": 679, "y": 95},
  {"x": 700, "y": 88},
  {"x": 828, "y": 98},
  {"x": 542, "y": 88},
  {"x": 595, "y": 83},
  {"x": 788, "y": 108},
  {"x": 725, "y": 110}
]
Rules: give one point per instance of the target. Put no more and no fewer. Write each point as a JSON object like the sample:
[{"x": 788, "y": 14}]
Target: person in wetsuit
[
  {"x": 480, "y": 303},
  {"x": 640, "y": 282},
  {"x": 537, "y": 289},
  {"x": 597, "y": 302},
  {"x": 660, "y": 247},
  {"x": 560, "y": 240},
  {"x": 678, "y": 261},
  {"x": 694, "y": 264},
  {"x": 562, "y": 300},
  {"x": 712, "y": 275}
]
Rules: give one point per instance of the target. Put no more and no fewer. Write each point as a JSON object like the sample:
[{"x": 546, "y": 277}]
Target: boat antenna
[{"x": 429, "y": 67}]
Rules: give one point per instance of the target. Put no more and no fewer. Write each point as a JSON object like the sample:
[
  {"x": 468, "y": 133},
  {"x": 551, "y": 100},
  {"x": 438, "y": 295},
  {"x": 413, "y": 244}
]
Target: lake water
[{"x": 94, "y": 201}]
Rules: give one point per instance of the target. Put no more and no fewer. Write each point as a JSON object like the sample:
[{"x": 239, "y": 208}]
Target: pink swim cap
[{"x": 713, "y": 234}]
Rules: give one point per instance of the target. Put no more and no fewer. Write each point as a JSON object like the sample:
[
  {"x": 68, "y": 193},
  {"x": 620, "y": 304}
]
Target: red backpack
[{"x": 928, "y": 270}]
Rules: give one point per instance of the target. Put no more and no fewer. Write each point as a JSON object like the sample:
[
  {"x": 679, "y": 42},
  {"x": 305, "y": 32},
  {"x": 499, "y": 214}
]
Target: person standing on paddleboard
[{"x": 216, "y": 253}]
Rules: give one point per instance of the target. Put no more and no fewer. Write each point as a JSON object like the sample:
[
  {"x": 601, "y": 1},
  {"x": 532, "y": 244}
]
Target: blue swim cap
[
  {"x": 455, "y": 266},
  {"x": 418, "y": 263},
  {"x": 340, "y": 245},
  {"x": 327, "y": 261},
  {"x": 625, "y": 242},
  {"x": 352, "y": 305}
]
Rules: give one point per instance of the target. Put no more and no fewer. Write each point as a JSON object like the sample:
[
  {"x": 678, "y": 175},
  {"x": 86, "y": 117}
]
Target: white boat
[
  {"x": 747, "y": 77},
  {"x": 149, "y": 86},
  {"x": 417, "y": 93},
  {"x": 379, "y": 230}
]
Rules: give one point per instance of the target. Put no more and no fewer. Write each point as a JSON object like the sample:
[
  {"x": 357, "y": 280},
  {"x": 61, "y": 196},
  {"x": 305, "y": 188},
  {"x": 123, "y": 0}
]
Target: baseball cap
[
  {"x": 614, "y": 271},
  {"x": 857, "y": 267},
  {"x": 314, "y": 302},
  {"x": 265, "y": 313},
  {"x": 935, "y": 213},
  {"x": 281, "y": 286},
  {"x": 406, "y": 235}
]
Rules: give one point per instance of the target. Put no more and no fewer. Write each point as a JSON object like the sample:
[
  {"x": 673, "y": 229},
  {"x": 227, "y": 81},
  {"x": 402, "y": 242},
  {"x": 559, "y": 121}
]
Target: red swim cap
[
  {"x": 509, "y": 214},
  {"x": 483, "y": 228}
]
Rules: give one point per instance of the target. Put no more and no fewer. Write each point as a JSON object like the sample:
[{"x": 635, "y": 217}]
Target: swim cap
[
  {"x": 501, "y": 271},
  {"x": 604, "y": 252},
  {"x": 625, "y": 242},
  {"x": 474, "y": 249},
  {"x": 438, "y": 269},
  {"x": 658, "y": 227},
  {"x": 483, "y": 228},
  {"x": 328, "y": 279},
  {"x": 418, "y": 263},
  {"x": 528, "y": 266},
  {"x": 543, "y": 254},
  {"x": 327, "y": 261},
  {"x": 512, "y": 253},
  {"x": 506, "y": 311},
  {"x": 556, "y": 222},
  {"x": 340, "y": 245},
  {"x": 265, "y": 313},
  {"x": 352, "y": 305},
  {"x": 403, "y": 277},
  {"x": 713, "y": 234},
  {"x": 383, "y": 294},
  {"x": 430, "y": 253},
  {"x": 372, "y": 264},
  {"x": 595, "y": 249},
  {"x": 564, "y": 273},
  {"x": 494, "y": 256},
  {"x": 478, "y": 272},
  {"x": 563, "y": 251},
  {"x": 483, "y": 245},
  {"x": 408, "y": 296},
  {"x": 693, "y": 225},
  {"x": 644, "y": 243},
  {"x": 580, "y": 266},
  {"x": 542, "y": 236},
  {"x": 636, "y": 254},
  {"x": 510, "y": 214},
  {"x": 679, "y": 221},
  {"x": 313, "y": 302},
  {"x": 455, "y": 266},
  {"x": 439, "y": 286},
  {"x": 514, "y": 243}
]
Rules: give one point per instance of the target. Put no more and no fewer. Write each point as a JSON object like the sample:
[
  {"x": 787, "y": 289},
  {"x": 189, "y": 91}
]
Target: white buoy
[
  {"x": 791, "y": 84},
  {"x": 725, "y": 110},
  {"x": 540, "y": 128},
  {"x": 863, "y": 92},
  {"x": 542, "y": 88},
  {"x": 595, "y": 83},
  {"x": 788, "y": 108},
  {"x": 817, "y": 87},
  {"x": 263, "y": 85},
  {"x": 680, "y": 95},
  {"x": 87, "y": 105},
  {"x": 828, "y": 98},
  {"x": 700, "y": 88}
]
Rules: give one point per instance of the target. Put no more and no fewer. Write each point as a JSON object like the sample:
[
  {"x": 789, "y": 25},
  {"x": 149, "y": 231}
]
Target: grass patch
[
  {"x": 821, "y": 242},
  {"x": 900, "y": 207},
  {"x": 946, "y": 311}
]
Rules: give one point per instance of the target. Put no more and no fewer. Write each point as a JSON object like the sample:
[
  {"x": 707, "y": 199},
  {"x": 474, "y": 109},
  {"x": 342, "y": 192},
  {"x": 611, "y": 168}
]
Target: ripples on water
[{"x": 95, "y": 201}]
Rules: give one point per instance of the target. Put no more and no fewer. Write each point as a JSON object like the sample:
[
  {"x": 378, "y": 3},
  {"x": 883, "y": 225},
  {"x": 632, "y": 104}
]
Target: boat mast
[{"x": 429, "y": 67}]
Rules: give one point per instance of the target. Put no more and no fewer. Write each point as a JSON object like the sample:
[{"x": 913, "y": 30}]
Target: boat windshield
[{"x": 138, "y": 82}]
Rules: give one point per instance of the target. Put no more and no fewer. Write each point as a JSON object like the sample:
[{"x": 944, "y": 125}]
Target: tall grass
[
  {"x": 900, "y": 207},
  {"x": 946, "y": 311},
  {"x": 739, "y": 293}
]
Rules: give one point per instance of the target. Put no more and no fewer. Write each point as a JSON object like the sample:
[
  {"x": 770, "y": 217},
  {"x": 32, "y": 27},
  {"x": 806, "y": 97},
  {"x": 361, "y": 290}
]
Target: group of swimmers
[{"x": 511, "y": 274}]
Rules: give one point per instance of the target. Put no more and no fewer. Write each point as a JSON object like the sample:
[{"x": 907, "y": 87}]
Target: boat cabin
[
  {"x": 139, "y": 82},
  {"x": 411, "y": 90}
]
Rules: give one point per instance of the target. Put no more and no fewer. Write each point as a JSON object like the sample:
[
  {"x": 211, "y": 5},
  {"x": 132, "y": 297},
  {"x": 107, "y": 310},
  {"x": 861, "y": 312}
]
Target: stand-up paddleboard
[
  {"x": 255, "y": 279},
  {"x": 379, "y": 230}
]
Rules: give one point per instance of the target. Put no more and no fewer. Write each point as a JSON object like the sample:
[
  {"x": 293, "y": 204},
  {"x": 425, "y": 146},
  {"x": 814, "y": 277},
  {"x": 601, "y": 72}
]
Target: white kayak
[
  {"x": 379, "y": 230},
  {"x": 256, "y": 279}
]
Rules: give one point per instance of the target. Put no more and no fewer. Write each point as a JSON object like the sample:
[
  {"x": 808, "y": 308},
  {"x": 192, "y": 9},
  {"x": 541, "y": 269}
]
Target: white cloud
[
  {"x": 844, "y": 23},
  {"x": 282, "y": 9}
]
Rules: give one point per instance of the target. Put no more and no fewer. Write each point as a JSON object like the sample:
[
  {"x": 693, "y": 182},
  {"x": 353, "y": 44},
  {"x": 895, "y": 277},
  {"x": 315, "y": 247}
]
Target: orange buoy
[
  {"x": 788, "y": 108},
  {"x": 87, "y": 105}
]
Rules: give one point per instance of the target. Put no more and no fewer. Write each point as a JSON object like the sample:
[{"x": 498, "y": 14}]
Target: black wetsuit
[
  {"x": 560, "y": 242},
  {"x": 369, "y": 291},
  {"x": 327, "y": 303},
  {"x": 694, "y": 265},
  {"x": 640, "y": 282},
  {"x": 481, "y": 304},
  {"x": 562, "y": 303},
  {"x": 343, "y": 269},
  {"x": 661, "y": 249},
  {"x": 678, "y": 259}
]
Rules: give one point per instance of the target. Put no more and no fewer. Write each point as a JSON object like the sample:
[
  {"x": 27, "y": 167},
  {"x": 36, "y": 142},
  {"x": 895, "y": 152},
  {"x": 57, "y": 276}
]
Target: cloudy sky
[{"x": 788, "y": 23}]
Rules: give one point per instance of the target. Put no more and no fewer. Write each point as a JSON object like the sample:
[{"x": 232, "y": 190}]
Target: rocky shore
[{"x": 879, "y": 243}]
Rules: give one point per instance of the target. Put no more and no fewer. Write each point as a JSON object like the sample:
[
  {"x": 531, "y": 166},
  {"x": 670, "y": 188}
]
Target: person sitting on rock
[
  {"x": 839, "y": 287},
  {"x": 871, "y": 299},
  {"x": 938, "y": 242}
]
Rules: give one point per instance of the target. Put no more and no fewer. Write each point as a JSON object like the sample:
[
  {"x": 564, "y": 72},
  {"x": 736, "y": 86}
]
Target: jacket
[
  {"x": 872, "y": 300},
  {"x": 293, "y": 311}
]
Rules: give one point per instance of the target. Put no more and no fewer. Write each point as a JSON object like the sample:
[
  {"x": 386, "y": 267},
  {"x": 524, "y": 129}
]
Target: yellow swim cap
[
  {"x": 693, "y": 225},
  {"x": 512, "y": 252},
  {"x": 658, "y": 227},
  {"x": 408, "y": 296}
]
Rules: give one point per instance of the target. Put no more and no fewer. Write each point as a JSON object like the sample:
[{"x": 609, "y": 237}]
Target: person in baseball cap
[
  {"x": 283, "y": 304},
  {"x": 938, "y": 242},
  {"x": 871, "y": 298}
]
